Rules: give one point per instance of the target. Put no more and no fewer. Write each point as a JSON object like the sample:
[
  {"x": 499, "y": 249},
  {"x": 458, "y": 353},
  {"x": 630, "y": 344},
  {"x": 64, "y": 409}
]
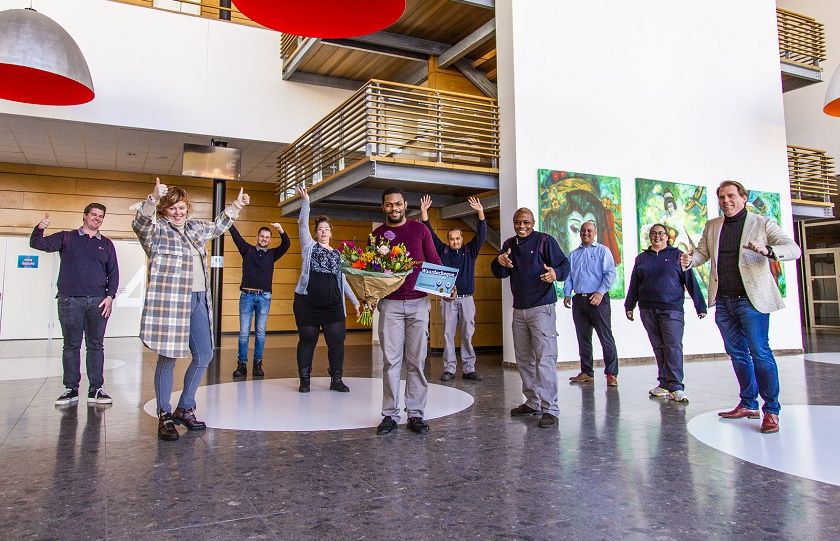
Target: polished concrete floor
[{"x": 619, "y": 466}]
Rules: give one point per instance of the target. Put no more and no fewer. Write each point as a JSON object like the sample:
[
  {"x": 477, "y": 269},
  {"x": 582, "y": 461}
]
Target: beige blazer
[{"x": 755, "y": 269}]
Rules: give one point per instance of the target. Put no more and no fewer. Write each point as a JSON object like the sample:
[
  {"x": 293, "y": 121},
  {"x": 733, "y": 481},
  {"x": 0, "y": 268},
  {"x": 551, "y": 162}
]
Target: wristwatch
[{"x": 770, "y": 253}]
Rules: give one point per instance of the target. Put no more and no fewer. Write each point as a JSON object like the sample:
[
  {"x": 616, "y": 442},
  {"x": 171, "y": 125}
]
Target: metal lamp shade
[
  {"x": 832, "y": 96},
  {"x": 39, "y": 61},
  {"x": 323, "y": 18}
]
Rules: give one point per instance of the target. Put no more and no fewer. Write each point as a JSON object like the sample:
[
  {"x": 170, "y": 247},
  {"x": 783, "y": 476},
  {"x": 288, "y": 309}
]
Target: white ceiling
[{"x": 64, "y": 143}]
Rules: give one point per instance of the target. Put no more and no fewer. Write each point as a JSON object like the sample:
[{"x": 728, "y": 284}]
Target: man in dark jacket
[
  {"x": 255, "y": 297},
  {"x": 534, "y": 261},
  {"x": 460, "y": 310},
  {"x": 87, "y": 284}
]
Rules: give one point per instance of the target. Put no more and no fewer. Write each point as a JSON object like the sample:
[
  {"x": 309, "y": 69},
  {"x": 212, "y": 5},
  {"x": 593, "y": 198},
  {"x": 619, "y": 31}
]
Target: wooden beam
[
  {"x": 415, "y": 76},
  {"x": 405, "y": 43},
  {"x": 405, "y": 54},
  {"x": 486, "y": 4},
  {"x": 291, "y": 65},
  {"x": 494, "y": 239},
  {"x": 464, "y": 209},
  {"x": 477, "y": 78},
  {"x": 325, "y": 80},
  {"x": 468, "y": 44}
]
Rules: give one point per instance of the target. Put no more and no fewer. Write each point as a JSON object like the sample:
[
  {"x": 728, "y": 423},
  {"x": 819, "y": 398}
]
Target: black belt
[
  {"x": 465, "y": 295},
  {"x": 250, "y": 290},
  {"x": 585, "y": 295}
]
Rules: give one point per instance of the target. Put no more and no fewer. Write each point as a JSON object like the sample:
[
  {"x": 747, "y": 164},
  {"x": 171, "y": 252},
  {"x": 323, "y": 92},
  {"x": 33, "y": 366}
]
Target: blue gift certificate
[{"x": 436, "y": 279}]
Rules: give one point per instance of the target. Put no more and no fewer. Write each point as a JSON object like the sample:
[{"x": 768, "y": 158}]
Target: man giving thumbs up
[{"x": 534, "y": 261}]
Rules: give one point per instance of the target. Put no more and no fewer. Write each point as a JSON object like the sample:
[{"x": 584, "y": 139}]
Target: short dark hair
[
  {"x": 393, "y": 190},
  {"x": 321, "y": 219},
  {"x": 740, "y": 187},
  {"x": 264, "y": 228},
  {"x": 99, "y": 206}
]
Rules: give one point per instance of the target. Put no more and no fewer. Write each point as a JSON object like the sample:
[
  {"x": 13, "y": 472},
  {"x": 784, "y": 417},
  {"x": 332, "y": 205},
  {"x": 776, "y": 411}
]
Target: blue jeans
[
  {"x": 744, "y": 330},
  {"x": 201, "y": 348},
  {"x": 82, "y": 315},
  {"x": 253, "y": 304},
  {"x": 665, "y": 332}
]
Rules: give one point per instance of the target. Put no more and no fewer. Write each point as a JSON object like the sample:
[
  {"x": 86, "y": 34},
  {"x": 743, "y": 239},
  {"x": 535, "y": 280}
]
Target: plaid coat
[{"x": 165, "y": 323}]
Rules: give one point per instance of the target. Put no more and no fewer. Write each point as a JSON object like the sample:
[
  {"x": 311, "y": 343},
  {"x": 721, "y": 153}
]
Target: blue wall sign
[{"x": 27, "y": 262}]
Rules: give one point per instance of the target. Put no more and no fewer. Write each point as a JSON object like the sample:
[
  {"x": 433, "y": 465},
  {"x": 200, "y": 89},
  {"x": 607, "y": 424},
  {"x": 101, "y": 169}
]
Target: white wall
[
  {"x": 159, "y": 70},
  {"x": 806, "y": 124},
  {"x": 677, "y": 91}
]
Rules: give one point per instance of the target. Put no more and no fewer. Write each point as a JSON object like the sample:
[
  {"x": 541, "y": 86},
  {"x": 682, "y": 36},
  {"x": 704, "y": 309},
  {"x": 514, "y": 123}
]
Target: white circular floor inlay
[
  {"x": 276, "y": 404},
  {"x": 806, "y": 444},
  {"x": 826, "y": 357},
  {"x": 42, "y": 367}
]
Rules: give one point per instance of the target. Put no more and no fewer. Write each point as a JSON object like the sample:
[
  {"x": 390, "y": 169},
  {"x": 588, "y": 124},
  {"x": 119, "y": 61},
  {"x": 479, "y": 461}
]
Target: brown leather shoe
[
  {"x": 612, "y": 381},
  {"x": 187, "y": 418},
  {"x": 739, "y": 413},
  {"x": 166, "y": 427},
  {"x": 583, "y": 377},
  {"x": 770, "y": 423}
]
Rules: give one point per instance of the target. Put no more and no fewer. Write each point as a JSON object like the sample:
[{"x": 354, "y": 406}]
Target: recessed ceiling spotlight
[
  {"x": 162, "y": 157},
  {"x": 131, "y": 154}
]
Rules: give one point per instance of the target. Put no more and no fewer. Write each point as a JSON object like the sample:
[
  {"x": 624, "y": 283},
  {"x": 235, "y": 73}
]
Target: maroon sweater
[{"x": 421, "y": 247}]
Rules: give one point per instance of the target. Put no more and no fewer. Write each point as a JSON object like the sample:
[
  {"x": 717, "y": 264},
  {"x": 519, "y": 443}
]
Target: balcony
[
  {"x": 424, "y": 140},
  {"x": 812, "y": 183},
  {"x": 208, "y": 9},
  {"x": 801, "y": 49}
]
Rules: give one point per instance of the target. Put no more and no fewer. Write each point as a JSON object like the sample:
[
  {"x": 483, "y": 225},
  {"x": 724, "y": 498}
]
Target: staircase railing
[
  {"x": 812, "y": 174},
  {"x": 801, "y": 39},
  {"x": 394, "y": 122}
]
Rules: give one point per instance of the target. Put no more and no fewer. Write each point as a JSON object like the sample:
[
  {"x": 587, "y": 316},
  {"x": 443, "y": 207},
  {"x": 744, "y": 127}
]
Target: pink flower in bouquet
[{"x": 384, "y": 249}]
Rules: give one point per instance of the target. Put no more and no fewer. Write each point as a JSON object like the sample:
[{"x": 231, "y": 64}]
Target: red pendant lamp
[
  {"x": 323, "y": 18},
  {"x": 39, "y": 62}
]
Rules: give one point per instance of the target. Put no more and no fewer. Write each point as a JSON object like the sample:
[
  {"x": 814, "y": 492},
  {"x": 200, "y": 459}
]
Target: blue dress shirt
[{"x": 593, "y": 269}]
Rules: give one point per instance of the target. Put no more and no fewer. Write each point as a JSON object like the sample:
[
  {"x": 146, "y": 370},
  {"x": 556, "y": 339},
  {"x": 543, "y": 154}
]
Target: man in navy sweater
[
  {"x": 461, "y": 256},
  {"x": 658, "y": 284},
  {"x": 255, "y": 297},
  {"x": 534, "y": 261},
  {"x": 87, "y": 284}
]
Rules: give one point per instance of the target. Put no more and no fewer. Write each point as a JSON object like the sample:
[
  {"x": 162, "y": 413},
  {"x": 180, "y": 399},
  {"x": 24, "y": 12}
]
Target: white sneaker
[
  {"x": 678, "y": 396},
  {"x": 658, "y": 392}
]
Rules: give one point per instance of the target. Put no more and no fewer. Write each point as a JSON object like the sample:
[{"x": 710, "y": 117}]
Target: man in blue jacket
[
  {"x": 461, "y": 309},
  {"x": 658, "y": 284},
  {"x": 534, "y": 261}
]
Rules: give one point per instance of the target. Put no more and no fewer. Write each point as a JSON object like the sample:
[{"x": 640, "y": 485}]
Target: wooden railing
[
  {"x": 801, "y": 39},
  {"x": 289, "y": 44},
  {"x": 812, "y": 174},
  {"x": 397, "y": 122},
  {"x": 209, "y": 9}
]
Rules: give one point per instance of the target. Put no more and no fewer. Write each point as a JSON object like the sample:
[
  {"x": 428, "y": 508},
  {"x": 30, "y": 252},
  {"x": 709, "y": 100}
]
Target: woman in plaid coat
[{"x": 176, "y": 315}]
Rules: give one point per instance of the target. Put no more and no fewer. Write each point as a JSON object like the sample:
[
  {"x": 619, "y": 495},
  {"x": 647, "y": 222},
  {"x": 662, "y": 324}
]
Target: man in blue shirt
[
  {"x": 87, "y": 284},
  {"x": 461, "y": 309},
  {"x": 587, "y": 294},
  {"x": 534, "y": 261}
]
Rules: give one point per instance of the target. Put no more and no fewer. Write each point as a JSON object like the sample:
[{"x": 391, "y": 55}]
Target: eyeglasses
[
  {"x": 658, "y": 234},
  {"x": 324, "y": 229}
]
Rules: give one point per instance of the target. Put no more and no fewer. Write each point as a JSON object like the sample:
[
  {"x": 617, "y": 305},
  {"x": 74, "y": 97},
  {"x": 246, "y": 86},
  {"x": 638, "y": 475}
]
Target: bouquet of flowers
[{"x": 375, "y": 271}]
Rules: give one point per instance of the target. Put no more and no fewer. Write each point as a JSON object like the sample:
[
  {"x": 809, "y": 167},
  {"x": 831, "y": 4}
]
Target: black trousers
[
  {"x": 334, "y": 334},
  {"x": 586, "y": 318}
]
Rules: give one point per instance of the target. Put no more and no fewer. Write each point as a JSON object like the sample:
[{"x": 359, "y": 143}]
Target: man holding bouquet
[{"x": 404, "y": 319}]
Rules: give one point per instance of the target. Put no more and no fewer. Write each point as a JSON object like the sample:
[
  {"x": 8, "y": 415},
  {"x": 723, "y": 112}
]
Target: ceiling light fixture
[
  {"x": 323, "y": 18},
  {"x": 40, "y": 63},
  {"x": 832, "y": 95}
]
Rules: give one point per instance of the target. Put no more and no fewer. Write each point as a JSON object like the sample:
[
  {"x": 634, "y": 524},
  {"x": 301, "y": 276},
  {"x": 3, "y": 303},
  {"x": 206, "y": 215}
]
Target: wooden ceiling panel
[{"x": 444, "y": 21}]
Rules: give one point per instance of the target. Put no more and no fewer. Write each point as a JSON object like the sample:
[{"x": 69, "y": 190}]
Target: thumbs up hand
[
  {"x": 242, "y": 199},
  {"x": 504, "y": 259},
  {"x": 45, "y": 223},
  {"x": 549, "y": 275},
  {"x": 159, "y": 191}
]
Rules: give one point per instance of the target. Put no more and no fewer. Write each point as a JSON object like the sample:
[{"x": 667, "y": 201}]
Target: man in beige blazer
[{"x": 743, "y": 291}]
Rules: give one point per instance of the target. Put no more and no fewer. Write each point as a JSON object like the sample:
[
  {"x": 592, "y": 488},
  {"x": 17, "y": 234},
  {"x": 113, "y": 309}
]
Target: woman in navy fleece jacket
[{"x": 658, "y": 284}]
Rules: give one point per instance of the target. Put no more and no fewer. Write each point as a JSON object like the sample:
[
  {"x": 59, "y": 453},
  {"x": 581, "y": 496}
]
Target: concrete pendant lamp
[
  {"x": 323, "y": 18},
  {"x": 39, "y": 61}
]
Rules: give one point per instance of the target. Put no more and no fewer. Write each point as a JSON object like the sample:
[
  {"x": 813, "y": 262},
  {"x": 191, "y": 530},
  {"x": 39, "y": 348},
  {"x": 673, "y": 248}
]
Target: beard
[{"x": 390, "y": 220}]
